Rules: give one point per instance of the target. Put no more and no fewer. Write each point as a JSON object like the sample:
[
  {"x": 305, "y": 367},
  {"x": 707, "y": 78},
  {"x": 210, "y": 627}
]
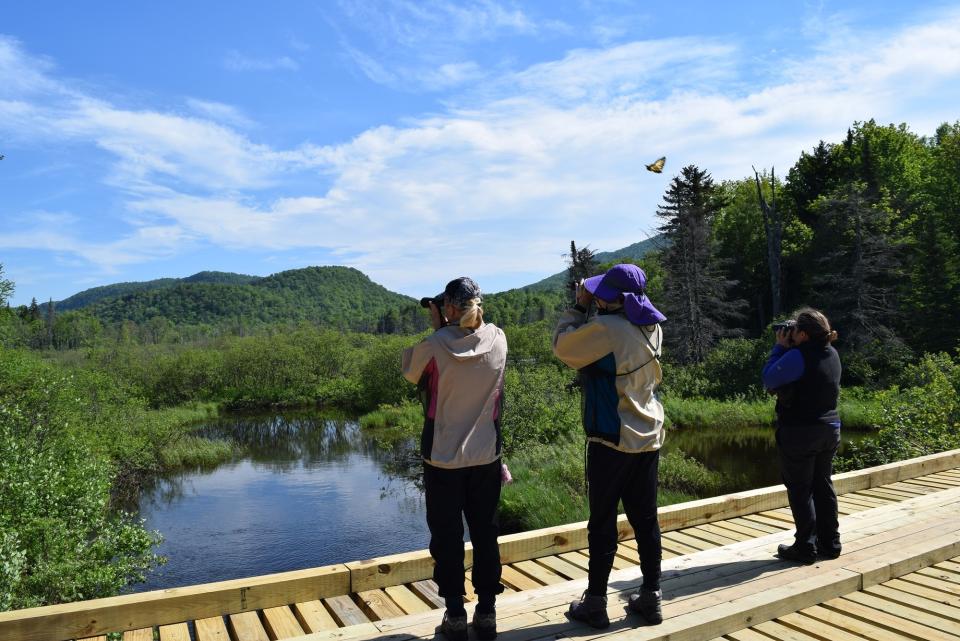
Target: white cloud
[
  {"x": 220, "y": 112},
  {"x": 501, "y": 183},
  {"x": 236, "y": 61}
]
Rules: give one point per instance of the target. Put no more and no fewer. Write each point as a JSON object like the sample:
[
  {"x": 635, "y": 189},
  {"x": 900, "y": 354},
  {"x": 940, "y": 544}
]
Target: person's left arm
[{"x": 784, "y": 366}]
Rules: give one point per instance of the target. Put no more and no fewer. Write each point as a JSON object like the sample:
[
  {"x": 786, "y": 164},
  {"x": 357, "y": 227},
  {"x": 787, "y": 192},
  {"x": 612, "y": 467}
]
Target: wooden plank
[
  {"x": 175, "y": 632},
  {"x": 748, "y": 635},
  {"x": 779, "y": 515},
  {"x": 923, "y": 591},
  {"x": 745, "y": 531},
  {"x": 211, "y": 629},
  {"x": 710, "y": 535},
  {"x": 538, "y": 572},
  {"x": 378, "y": 605},
  {"x": 928, "y": 482},
  {"x": 908, "y": 558},
  {"x": 406, "y": 599},
  {"x": 246, "y": 626},
  {"x": 731, "y": 533},
  {"x": 890, "y": 621},
  {"x": 99, "y": 638},
  {"x": 564, "y": 568},
  {"x": 936, "y": 584},
  {"x": 143, "y": 634},
  {"x": 942, "y": 477},
  {"x": 915, "y": 601},
  {"x": 764, "y": 520},
  {"x": 816, "y": 628},
  {"x": 624, "y": 551},
  {"x": 953, "y": 566},
  {"x": 313, "y": 616},
  {"x": 578, "y": 559},
  {"x": 940, "y": 573},
  {"x": 517, "y": 580},
  {"x": 686, "y": 539},
  {"x": 781, "y": 632},
  {"x": 852, "y": 624},
  {"x": 345, "y": 611},
  {"x": 281, "y": 623},
  {"x": 427, "y": 590},
  {"x": 756, "y": 525},
  {"x": 867, "y": 498},
  {"x": 906, "y": 612},
  {"x": 174, "y": 605}
]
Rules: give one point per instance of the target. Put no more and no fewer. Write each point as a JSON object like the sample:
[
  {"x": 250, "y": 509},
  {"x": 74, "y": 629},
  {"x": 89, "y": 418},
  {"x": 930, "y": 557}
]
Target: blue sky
[{"x": 416, "y": 141}]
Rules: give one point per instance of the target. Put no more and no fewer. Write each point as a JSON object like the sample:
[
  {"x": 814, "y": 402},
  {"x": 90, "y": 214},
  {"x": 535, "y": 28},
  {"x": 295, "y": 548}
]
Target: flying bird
[{"x": 657, "y": 165}]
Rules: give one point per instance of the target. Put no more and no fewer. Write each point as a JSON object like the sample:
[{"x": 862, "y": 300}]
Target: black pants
[
  {"x": 451, "y": 494},
  {"x": 806, "y": 463},
  {"x": 614, "y": 476}
]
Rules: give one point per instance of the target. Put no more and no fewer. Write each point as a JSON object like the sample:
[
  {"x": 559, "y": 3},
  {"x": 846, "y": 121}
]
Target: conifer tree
[{"x": 695, "y": 287}]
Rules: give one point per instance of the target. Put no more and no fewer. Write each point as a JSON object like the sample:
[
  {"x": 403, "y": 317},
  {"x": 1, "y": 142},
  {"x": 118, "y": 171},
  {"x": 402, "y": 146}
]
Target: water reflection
[
  {"x": 747, "y": 457},
  {"x": 308, "y": 491}
]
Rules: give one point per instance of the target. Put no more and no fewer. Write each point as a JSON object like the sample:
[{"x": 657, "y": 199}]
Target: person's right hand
[
  {"x": 785, "y": 337},
  {"x": 584, "y": 297}
]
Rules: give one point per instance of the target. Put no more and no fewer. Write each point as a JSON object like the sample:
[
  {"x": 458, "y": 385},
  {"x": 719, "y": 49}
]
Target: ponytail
[{"x": 472, "y": 317}]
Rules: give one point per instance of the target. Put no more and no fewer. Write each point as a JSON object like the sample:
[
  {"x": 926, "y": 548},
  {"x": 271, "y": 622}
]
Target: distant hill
[
  {"x": 635, "y": 251},
  {"x": 90, "y": 296},
  {"x": 337, "y": 296}
]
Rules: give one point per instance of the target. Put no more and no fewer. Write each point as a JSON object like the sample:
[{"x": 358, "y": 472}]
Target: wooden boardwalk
[{"x": 899, "y": 578}]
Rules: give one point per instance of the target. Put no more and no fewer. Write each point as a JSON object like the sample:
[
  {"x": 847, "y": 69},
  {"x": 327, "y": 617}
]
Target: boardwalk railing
[{"x": 89, "y": 618}]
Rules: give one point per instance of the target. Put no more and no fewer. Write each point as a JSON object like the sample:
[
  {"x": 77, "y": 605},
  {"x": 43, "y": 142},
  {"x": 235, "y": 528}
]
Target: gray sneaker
[
  {"x": 646, "y": 603},
  {"x": 485, "y": 623},
  {"x": 454, "y": 627}
]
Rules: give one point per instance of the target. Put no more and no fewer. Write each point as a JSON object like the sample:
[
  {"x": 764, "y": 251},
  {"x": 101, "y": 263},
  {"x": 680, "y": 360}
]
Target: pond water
[
  {"x": 310, "y": 491},
  {"x": 746, "y": 456},
  {"x": 313, "y": 490}
]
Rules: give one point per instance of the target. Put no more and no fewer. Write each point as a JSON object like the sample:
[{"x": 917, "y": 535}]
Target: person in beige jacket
[
  {"x": 459, "y": 370},
  {"x": 617, "y": 356}
]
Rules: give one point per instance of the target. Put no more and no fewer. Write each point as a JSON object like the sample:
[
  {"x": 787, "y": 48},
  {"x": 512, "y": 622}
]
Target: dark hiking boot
[
  {"x": 791, "y": 553},
  {"x": 828, "y": 554},
  {"x": 590, "y": 609},
  {"x": 454, "y": 627},
  {"x": 485, "y": 623},
  {"x": 646, "y": 603}
]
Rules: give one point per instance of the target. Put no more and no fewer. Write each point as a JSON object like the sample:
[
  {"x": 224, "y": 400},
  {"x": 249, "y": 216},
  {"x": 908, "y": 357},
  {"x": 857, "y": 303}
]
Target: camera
[
  {"x": 784, "y": 325},
  {"x": 436, "y": 300}
]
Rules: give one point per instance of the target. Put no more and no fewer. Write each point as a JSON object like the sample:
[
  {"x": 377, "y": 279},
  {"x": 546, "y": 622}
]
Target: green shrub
[
  {"x": 59, "y": 539},
  {"x": 539, "y": 406},
  {"x": 915, "y": 421}
]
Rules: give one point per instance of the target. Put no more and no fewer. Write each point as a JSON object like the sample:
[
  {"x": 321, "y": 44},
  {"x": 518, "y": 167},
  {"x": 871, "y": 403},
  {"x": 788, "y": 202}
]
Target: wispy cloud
[
  {"x": 496, "y": 185},
  {"x": 219, "y": 112},
  {"x": 425, "y": 45},
  {"x": 236, "y": 61}
]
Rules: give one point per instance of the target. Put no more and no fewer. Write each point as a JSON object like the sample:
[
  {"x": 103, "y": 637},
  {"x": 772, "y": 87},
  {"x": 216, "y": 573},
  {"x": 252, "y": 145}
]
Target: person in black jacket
[{"x": 804, "y": 372}]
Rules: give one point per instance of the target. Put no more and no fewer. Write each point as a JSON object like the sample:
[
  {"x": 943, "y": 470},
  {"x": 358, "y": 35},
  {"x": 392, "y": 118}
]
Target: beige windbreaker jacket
[
  {"x": 619, "y": 373},
  {"x": 460, "y": 373}
]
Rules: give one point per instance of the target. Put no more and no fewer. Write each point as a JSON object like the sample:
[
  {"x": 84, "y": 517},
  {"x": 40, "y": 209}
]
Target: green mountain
[
  {"x": 95, "y": 294},
  {"x": 334, "y": 296},
  {"x": 337, "y": 296}
]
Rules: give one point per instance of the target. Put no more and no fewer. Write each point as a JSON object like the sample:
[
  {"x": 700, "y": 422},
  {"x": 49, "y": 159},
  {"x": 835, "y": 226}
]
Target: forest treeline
[{"x": 866, "y": 228}]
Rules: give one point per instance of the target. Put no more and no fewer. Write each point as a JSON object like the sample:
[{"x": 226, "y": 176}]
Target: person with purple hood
[{"x": 617, "y": 355}]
